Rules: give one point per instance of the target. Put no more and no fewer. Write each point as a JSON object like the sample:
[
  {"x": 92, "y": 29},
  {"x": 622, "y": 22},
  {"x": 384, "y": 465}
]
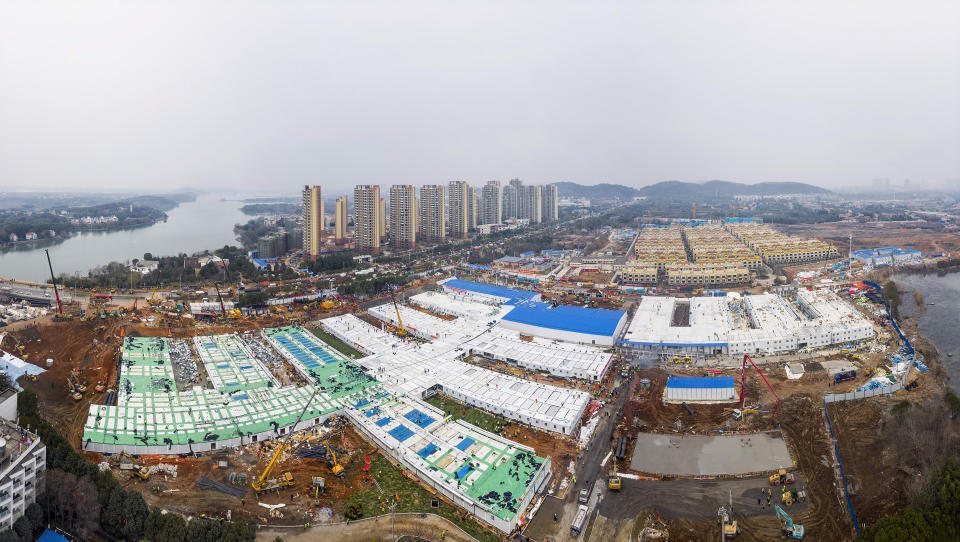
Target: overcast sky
[{"x": 273, "y": 95}]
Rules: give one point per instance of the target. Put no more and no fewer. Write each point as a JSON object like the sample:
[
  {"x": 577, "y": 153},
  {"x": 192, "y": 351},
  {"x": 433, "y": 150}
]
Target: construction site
[{"x": 504, "y": 413}]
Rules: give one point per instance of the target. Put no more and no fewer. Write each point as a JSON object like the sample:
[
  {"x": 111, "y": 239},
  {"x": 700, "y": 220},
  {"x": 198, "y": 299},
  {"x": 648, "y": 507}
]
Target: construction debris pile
[
  {"x": 208, "y": 483},
  {"x": 184, "y": 367},
  {"x": 261, "y": 352}
]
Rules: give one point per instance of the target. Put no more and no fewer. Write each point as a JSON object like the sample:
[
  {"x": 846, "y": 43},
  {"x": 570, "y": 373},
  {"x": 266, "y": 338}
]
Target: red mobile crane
[
  {"x": 223, "y": 308},
  {"x": 56, "y": 292},
  {"x": 743, "y": 378}
]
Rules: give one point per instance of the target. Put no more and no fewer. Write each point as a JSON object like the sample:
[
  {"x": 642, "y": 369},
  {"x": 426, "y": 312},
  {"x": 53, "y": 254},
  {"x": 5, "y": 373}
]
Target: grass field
[
  {"x": 460, "y": 411},
  {"x": 341, "y": 346},
  {"x": 413, "y": 498}
]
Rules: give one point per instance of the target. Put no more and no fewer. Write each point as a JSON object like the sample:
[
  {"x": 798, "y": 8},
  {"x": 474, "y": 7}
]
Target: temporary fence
[
  {"x": 843, "y": 476},
  {"x": 854, "y": 395}
]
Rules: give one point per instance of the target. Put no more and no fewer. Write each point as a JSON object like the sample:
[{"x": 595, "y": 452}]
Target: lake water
[
  {"x": 941, "y": 320},
  {"x": 204, "y": 224}
]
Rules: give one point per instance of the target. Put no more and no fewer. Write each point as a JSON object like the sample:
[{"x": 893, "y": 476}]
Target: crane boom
[
  {"x": 397, "y": 308},
  {"x": 743, "y": 370},
  {"x": 56, "y": 292},
  {"x": 261, "y": 481},
  {"x": 220, "y": 299}
]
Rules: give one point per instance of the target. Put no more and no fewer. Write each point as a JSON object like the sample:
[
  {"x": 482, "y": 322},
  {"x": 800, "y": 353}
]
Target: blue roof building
[
  {"x": 572, "y": 324},
  {"x": 700, "y": 389},
  {"x": 489, "y": 293}
]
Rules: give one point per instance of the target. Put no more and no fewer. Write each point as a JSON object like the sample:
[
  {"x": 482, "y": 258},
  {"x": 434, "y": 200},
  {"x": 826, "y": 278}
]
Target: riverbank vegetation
[
  {"x": 271, "y": 209},
  {"x": 57, "y": 223}
]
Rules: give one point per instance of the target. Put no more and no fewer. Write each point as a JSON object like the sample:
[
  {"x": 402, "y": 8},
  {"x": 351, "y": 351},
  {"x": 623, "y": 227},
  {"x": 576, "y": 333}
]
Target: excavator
[
  {"x": 400, "y": 331},
  {"x": 264, "y": 483},
  {"x": 139, "y": 469},
  {"x": 790, "y": 529},
  {"x": 154, "y": 300},
  {"x": 335, "y": 467},
  {"x": 614, "y": 482}
]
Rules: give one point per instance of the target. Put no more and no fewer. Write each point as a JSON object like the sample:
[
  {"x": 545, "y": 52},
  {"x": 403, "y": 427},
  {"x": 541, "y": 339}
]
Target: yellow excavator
[
  {"x": 335, "y": 467},
  {"x": 139, "y": 469},
  {"x": 614, "y": 482},
  {"x": 264, "y": 483}
]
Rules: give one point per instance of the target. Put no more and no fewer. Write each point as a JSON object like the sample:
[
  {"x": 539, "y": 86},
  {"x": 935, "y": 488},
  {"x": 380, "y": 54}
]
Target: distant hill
[
  {"x": 685, "y": 190},
  {"x": 597, "y": 191},
  {"x": 726, "y": 189}
]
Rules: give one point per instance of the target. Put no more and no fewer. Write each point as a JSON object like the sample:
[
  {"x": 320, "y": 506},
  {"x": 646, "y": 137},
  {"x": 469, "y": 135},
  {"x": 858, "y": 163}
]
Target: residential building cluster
[
  {"x": 407, "y": 216},
  {"x": 778, "y": 249},
  {"x": 702, "y": 253}
]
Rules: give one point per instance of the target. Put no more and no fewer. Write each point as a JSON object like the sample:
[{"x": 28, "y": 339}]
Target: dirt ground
[
  {"x": 180, "y": 494},
  {"x": 872, "y": 235}
]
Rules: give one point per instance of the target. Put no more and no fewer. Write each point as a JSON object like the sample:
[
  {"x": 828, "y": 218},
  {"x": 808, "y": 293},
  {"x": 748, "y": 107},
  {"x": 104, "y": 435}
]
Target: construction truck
[
  {"x": 782, "y": 477},
  {"x": 264, "y": 483},
  {"x": 790, "y": 529},
  {"x": 614, "y": 482},
  {"x": 141, "y": 471}
]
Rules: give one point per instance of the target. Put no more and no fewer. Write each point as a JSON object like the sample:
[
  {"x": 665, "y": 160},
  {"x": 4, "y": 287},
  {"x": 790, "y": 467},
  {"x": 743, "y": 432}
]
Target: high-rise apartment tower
[
  {"x": 367, "y": 218},
  {"x": 461, "y": 209},
  {"x": 313, "y": 222},
  {"x": 403, "y": 216},
  {"x": 433, "y": 214}
]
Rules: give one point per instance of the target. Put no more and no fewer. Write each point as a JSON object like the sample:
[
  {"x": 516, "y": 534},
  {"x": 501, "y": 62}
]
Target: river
[
  {"x": 204, "y": 224},
  {"x": 939, "y": 322}
]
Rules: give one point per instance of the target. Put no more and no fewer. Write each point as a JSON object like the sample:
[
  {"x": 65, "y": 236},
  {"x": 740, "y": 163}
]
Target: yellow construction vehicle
[
  {"x": 138, "y": 469},
  {"x": 154, "y": 300},
  {"x": 335, "y": 467},
  {"x": 399, "y": 331},
  {"x": 614, "y": 482},
  {"x": 264, "y": 483},
  {"x": 781, "y": 477},
  {"x": 728, "y": 525}
]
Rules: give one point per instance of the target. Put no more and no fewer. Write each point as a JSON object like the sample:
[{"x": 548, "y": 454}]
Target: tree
[{"x": 135, "y": 513}]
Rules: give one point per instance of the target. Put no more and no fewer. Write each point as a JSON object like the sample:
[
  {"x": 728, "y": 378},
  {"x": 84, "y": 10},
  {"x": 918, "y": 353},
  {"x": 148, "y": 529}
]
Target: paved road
[
  {"x": 690, "y": 498},
  {"x": 588, "y": 470}
]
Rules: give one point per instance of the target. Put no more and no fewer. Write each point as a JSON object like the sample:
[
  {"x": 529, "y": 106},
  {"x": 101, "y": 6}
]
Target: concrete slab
[{"x": 703, "y": 455}]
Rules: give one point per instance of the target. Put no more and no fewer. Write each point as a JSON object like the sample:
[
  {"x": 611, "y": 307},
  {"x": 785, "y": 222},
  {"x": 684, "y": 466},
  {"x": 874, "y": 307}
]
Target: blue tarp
[
  {"x": 465, "y": 443},
  {"x": 464, "y": 471},
  {"x": 419, "y": 418},
  {"x": 383, "y": 421},
  {"x": 50, "y": 536},
  {"x": 427, "y": 450},
  {"x": 567, "y": 318},
  {"x": 700, "y": 382},
  {"x": 401, "y": 433}
]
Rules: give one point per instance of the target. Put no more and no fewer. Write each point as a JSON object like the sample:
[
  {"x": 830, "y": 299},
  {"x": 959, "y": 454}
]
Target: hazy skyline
[{"x": 270, "y": 96}]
